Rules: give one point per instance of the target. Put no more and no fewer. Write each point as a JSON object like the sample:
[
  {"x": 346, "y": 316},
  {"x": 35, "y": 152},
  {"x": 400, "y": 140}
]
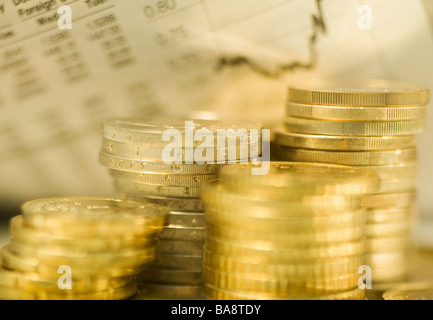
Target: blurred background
[{"x": 197, "y": 58}]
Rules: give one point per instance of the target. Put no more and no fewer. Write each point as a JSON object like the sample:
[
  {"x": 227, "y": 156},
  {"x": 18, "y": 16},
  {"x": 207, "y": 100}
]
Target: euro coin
[
  {"x": 177, "y": 261},
  {"x": 397, "y": 185},
  {"x": 403, "y": 171},
  {"x": 390, "y": 214},
  {"x": 391, "y": 229},
  {"x": 352, "y": 113},
  {"x": 172, "y": 203},
  {"x": 170, "y": 276},
  {"x": 341, "y": 143},
  {"x": 287, "y": 178},
  {"x": 383, "y": 245},
  {"x": 374, "y": 93},
  {"x": 398, "y": 200},
  {"x": 126, "y": 186},
  {"x": 170, "y": 292},
  {"x": 183, "y": 233},
  {"x": 410, "y": 291},
  {"x": 194, "y": 248},
  {"x": 352, "y": 158}
]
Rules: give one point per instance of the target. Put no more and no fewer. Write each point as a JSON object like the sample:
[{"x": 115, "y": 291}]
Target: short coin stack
[
  {"x": 138, "y": 153},
  {"x": 79, "y": 248},
  {"x": 294, "y": 233},
  {"x": 371, "y": 126}
]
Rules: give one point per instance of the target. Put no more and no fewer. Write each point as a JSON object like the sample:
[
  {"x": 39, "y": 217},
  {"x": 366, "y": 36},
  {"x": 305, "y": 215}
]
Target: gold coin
[
  {"x": 127, "y": 186},
  {"x": 13, "y": 261},
  {"x": 137, "y": 151},
  {"x": 351, "y": 113},
  {"x": 286, "y": 224},
  {"x": 279, "y": 286},
  {"x": 170, "y": 276},
  {"x": 170, "y": 292},
  {"x": 364, "y": 93},
  {"x": 351, "y": 158},
  {"x": 33, "y": 282},
  {"x": 386, "y": 230},
  {"x": 183, "y": 233},
  {"x": 390, "y": 214},
  {"x": 355, "y": 128},
  {"x": 383, "y": 245},
  {"x": 172, "y": 203},
  {"x": 218, "y": 196},
  {"x": 320, "y": 268},
  {"x": 94, "y": 216},
  {"x": 177, "y": 180},
  {"x": 393, "y": 274},
  {"x": 410, "y": 291},
  {"x": 149, "y": 132},
  {"x": 39, "y": 238},
  {"x": 111, "y": 294},
  {"x": 177, "y": 261},
  {"x": 293, "y": 178},
  {"x": 278, "y": 254},
  {"x": 403, "y": 171},
  {"x": 124, "y": 258},
  {"x": 186, "y": 219},
  {"x": 301, "y": 238},
  {"x": 194, "y": 248},
  {"x": 397, "y": 185},
  {"x": 215, "y": 293},
  {"x": 386, "y": 260},
  {"x": 398, "y": 200},
  {"x": 341, "y": 143},
  {"x": 145, "y": 166}
]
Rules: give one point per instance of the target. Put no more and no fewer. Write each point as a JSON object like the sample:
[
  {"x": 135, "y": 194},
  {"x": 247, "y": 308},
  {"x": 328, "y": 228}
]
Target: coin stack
[
  {"x": 136, "y": 153},
  {"x": 79, "y": 248},
  {"x": 372, "y": 126},
  {"x": 294, "y": 233}
]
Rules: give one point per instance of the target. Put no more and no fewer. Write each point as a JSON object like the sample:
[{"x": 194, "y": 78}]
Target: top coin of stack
[
  {"x": 295, "y": 233},
  {"x": 165, "y": 162},
  {"x": 100, "y": 243},
  {"x": 371, "y": 125}
]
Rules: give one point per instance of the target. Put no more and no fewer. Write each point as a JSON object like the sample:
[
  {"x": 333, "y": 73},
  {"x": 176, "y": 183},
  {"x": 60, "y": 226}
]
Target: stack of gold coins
[
  {"x": 370, "y": 126},
  {"x": 79, "y": 248},
  {"x": 294, "y": 233},
  {"x": 165, "y": 162}
]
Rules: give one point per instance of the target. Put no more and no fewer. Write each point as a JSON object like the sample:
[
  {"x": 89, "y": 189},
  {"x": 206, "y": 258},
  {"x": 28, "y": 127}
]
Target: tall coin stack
[
  {"x": 294, "y": 233},
  {"x": 79, "y": 248},
  {"x": 136, "y": 151},
  {"x": 370, "y": 126}
]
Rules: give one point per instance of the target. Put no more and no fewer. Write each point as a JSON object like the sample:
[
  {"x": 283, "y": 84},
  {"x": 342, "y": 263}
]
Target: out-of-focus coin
[
  {"x": 351, "y": 158},
  {"x": 397, "y": 200},
  {"x": 351, "y": 113},
  {"x": 216, "y": 195},
  {"x": 278, "y": 285},
  {"x": 397, "y": 185},
  {"x": 178, "y": 262},
  {"x": 175, "y": 292},
  {"x": 387, "y": 230},
  {"x": 40, "y": 238},
  {"x": 410, "y": 291},
  {"x": 277, "y": 255},
  {"x": 403, "y": 171},
  {"x": 284, "y": 225},
  {"x": 319, "y": 268},
  {"x": 390, "y": 214},
  {"x": 341, "y": 143},
  {"x": 170, "y": 277},
  {"x": 383, "y": 245},
  {"x": 183, "y": 233},
  {"x": 128, "y": 164},
  {"x": 94, "y": 216},
  {"x": 260, "y": 239},
  {"x": 215, "y": 293},
  {"x": 287, "y": 178},
  {"x": 172, "y": 203},
  {"x": 374, "y": 93},
  {"x": 194, "y": 248},
  {"x": 186, "y": 219}
]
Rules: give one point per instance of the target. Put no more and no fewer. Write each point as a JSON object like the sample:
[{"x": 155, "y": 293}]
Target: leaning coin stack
[
  {"x": 165, "y": 162},
  {"x": 371, "y": 126},
  {"x": 79, "y": 248},
  {"x": 294, "y": 233}
]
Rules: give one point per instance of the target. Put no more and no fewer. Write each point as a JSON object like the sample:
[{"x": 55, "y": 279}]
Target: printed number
[{"x": 159, "y": 7}]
